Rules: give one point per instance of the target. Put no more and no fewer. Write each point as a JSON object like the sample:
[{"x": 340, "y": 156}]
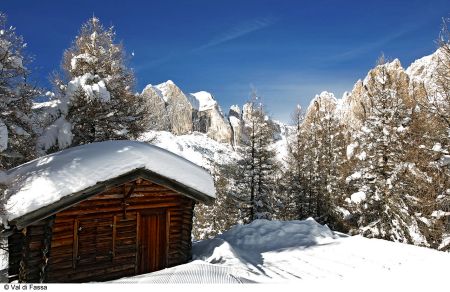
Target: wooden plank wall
[
  {"x": 180, "y": 234},
  {"x": 96, "y": 240}
]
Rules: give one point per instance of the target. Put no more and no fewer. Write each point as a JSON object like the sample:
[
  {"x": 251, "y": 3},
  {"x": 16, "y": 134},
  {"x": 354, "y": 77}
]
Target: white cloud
[{"x": 237, "y": 31}]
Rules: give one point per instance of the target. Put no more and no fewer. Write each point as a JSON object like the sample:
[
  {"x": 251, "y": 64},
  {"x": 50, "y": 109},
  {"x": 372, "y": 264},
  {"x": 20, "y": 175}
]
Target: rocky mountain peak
[
  {"x": 204, "y": 100},
  {"x": 422, "y": 73},
  {"x": 172, "y": 108},
  {"x": 183, "y": 113}
]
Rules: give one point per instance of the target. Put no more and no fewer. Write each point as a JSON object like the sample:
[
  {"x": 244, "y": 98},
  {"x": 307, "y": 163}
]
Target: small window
[{"x": 94, "y": 241}]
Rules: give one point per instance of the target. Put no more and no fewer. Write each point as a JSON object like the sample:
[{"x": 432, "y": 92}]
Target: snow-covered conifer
[
  {"x": 17, "y": 135},
  {"x": 257, "y": 169},
  {"x": 294, "y": 179},
  {"x": 224, "y": 213},
  {"x": 316, "y": 159},
  {"x": 382, "y": 203},
  {"x": 96, "y": 91}
]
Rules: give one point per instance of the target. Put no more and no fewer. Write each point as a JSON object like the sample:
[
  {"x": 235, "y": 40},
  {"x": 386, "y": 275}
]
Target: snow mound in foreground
[
  {"x": 277, "y": 251},
  {"x": 264, "y": 235}
]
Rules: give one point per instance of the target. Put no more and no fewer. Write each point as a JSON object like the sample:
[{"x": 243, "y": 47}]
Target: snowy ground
[{"x": 287, "y": 252}]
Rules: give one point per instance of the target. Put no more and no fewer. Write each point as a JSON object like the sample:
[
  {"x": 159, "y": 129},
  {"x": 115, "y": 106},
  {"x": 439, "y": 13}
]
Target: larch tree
[
  {"x": 257, "y": 169},
  {"x": 294, "y": 179},
  {"x": 95, "y": 93},
  {"x": 316, "y": 159},
  {"x": 330, "y": 157},
  {"x": 437, "y": 147},
  {"x": 382, "y": 204}
]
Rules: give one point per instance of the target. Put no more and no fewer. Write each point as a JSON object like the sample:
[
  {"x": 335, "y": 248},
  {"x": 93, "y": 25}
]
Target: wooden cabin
[{"x": 136, "y": 222}]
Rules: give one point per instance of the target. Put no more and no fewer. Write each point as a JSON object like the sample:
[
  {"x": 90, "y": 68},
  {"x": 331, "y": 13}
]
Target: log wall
[
  {"x": 98, "y": 239},
  {"x": 29, "y": 251}
]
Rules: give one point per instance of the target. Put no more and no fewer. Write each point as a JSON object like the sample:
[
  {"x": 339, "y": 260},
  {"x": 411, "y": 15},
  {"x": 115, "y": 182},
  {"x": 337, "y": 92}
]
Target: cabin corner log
[
  {"x": 15, "y": 243},
  {"x": 30, "y": 264},
  {"x": 94, "y": 239}
]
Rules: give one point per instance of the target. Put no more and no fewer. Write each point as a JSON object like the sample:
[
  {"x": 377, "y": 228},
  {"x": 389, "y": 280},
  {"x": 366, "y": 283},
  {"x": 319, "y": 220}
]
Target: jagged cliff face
[
  {"x": 235, "y": 118},
  {"x": 412, "y": 84},
  {"x": 354, "y": 105},
  {"x": 422, "y": 72},
  {"x": 181, "y": 113},
  {"x": 160, "y": 118},
  {"x": 179, "y": 109},
  {"x": 324, "y": 102}
]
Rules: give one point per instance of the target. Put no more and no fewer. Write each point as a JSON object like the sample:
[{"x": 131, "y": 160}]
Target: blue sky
[{"x": 288, "y": 50}]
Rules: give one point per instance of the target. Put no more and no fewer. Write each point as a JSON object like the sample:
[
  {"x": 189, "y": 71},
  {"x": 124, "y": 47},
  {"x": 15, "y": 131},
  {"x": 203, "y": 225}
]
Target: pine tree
[
  {"x": 97, "y": 98},
  {"x": 17, "y": 135}
]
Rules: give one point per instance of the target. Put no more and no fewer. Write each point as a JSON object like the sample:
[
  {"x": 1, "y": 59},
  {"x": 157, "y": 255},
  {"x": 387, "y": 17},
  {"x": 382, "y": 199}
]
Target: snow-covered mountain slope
[
  {"x": 283, "y": 136},
  {"x": 196, "y": 147}
]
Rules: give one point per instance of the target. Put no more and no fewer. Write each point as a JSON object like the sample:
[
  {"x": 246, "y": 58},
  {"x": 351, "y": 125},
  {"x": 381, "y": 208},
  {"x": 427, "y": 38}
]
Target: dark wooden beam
[{"x": 126, "y": 195}]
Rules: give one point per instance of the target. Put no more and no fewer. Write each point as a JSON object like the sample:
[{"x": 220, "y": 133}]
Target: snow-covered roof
[{"x": 49, "y": 179}]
